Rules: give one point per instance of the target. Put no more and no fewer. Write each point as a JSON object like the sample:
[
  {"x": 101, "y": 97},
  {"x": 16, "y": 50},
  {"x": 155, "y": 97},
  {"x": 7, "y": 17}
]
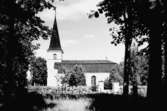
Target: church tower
[{"x": 54, "y": 55}]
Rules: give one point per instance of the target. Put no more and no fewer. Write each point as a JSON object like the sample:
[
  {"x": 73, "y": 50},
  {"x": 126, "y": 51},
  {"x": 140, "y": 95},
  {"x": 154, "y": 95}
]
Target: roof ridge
[{"x": 89, "y": 61}]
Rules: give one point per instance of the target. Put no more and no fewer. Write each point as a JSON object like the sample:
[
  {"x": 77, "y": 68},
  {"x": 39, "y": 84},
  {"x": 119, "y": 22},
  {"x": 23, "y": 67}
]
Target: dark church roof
[
  {"x": 89, "y": 66},
  {"x": 55, "y": 40}
]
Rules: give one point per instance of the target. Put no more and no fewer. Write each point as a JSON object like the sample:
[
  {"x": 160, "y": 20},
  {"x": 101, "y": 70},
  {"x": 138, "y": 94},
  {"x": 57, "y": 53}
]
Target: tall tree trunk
[
  {"x": 134, "y": 83},
  {"x": 127, "y": 70},
  {"x": 165, "y": 67},
  {"x": 134, "y": 62},
  {"x": 10, "y": 76},
  {"x": 155, "y": 62},
  {"x": 128, "y": 41}
]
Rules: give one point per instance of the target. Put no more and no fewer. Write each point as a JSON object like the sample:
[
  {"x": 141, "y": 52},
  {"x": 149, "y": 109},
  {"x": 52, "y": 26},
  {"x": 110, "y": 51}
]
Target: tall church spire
[{"x": 55, "y": 44}]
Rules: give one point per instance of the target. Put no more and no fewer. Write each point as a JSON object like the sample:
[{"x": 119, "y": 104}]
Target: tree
[
  {"x": 164, "y": 60},
  {"x": 75, "y": 77},
  {"x": 154, "y": 9},
  {"x": 134, "y": 63},
  {"x": 123, "y": 13},
  {"x": 73, "y": 80},
  {"x": 108, "y": 83},
  {"x": 139, "y": 66},
  {"x": 115, "y": 76},
  {"x": 142, "y": 11},
  {"x": 142, "y": 69},
  {"x": 19, "y": 26},
  {"x": 38, "y": 71},
  {"x": 120, "y": 69}
]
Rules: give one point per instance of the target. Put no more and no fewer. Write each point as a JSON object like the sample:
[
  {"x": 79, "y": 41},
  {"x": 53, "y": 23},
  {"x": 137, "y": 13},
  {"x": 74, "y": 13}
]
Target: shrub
[
  {"x": 75, "y": 77},
  {"x": 108, "y": 84},
  {"x": 61, "y": 92},
  {"x": 94, "y": 88}
]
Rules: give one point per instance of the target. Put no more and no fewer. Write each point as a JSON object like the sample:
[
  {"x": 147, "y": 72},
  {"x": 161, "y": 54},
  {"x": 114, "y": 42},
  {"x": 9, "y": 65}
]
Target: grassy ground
[
  {"x": 67, "y": 104},
  {"x": 96, "y": 102},
  {"x": 89, "y": 102},
  {"x": 49, "y": 101}
]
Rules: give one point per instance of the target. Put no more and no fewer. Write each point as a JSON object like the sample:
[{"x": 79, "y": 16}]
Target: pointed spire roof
[{"x": 55, "y": 40}]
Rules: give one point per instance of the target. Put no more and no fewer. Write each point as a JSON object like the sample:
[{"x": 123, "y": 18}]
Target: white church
[{"x": 96, "y": 71}]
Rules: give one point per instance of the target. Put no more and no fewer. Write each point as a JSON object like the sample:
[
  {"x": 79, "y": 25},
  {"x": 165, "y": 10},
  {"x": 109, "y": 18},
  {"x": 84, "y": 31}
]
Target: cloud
[
  {"x": 69, "y": 10},
  {"x": 75, "y": 10},
  {"x": 67, "y": 43}
]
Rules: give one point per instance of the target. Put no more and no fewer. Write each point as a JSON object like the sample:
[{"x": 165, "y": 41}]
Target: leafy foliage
[
  {"x": 38, "y": 71},
  {"x": 125, "y": 14},
  {"x": 75, "y": 77},
  {"x": 108, "y": 84},
  {"x": 115, "y": 76},
  {"x": 139, "y": 66},
  {"x": 19, "y": 26},
  {"x": 122, "y": 12}
]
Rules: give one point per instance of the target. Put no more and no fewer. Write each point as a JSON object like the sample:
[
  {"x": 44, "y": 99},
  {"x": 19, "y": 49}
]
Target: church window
[
  {"x": 93, "y": 81},
  {"x": 54, "y": 56}
]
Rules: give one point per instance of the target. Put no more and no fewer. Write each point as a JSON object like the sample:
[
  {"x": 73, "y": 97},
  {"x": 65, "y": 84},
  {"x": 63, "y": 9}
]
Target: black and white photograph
[{"x": 83, "y": 55}]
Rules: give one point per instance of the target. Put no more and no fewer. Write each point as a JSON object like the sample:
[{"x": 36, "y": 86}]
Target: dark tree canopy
[
  {"x": 137, "y": 18},
  {"x": 125, "y": 14},
  {"x": 19, "y": 26},
  {"x": 38, "y": 71}
]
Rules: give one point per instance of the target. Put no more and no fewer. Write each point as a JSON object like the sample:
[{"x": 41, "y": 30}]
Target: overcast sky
[{"x": 81, "y": 37}]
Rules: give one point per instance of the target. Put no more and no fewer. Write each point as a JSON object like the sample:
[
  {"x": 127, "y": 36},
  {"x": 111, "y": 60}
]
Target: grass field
[
  {"x": 41, "y": 99},
  {"x": 95, "y": 102},
  {"x": 81, "y": 104}
]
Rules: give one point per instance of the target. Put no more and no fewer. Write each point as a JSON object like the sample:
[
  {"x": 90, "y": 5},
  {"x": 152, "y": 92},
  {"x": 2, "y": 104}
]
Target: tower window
[{"x": 54, "y": 56}]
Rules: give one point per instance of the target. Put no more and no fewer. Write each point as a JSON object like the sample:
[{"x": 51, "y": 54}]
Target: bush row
[
  {"x": 70, "y": 92},
  {"x": 73, "y": 92}
]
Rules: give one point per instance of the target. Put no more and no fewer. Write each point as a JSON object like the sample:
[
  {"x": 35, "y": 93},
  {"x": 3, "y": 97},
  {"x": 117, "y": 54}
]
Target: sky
[{"x": 81, "y": 38}]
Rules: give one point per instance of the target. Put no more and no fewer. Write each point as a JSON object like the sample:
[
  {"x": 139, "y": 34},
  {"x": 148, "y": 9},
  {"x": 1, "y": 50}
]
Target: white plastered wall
[
  {"x": 53, "y": 79},
  {"x": 100, "y": 78}
]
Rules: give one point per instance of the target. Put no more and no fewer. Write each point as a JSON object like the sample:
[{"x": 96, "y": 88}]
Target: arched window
[
  {"x": 93, "y": 81},
  {"x": 54, "y": 56}
]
